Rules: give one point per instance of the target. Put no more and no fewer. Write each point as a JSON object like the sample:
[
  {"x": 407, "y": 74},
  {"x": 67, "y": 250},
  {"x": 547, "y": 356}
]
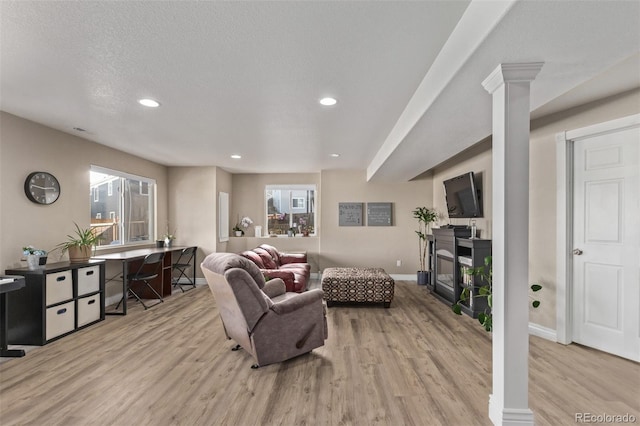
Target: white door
[{"x": 606, "y": 242}]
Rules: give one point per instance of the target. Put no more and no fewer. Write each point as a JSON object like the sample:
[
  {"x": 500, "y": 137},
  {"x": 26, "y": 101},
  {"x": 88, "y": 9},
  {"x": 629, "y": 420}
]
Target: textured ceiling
[{"x": 246, "y": 77}]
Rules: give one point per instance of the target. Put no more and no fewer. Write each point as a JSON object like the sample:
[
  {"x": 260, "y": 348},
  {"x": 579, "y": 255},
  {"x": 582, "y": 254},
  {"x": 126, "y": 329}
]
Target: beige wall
[
  {"x": 375, "y": 246},
  {"x": 193, "y": 208},
  {"x": 26, "y": 147}
]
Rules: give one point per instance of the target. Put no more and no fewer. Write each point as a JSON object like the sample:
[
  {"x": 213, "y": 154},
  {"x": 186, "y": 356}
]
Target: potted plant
[
  {"x": 426, "y": 217},
  {"x": 485, "y": 273},
  {"x": 246, "y": 222},
  {"x": 35, "y": 257},
  {"x": 80, "y": 244}
]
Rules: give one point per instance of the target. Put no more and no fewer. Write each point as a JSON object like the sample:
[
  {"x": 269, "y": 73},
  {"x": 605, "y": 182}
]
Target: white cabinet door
[{"x": 606, "y": 260}]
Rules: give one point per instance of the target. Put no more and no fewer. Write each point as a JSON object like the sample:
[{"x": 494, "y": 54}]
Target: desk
[
  {"x": 162, "y": 284},
  {"x": 7, "y": 284}
]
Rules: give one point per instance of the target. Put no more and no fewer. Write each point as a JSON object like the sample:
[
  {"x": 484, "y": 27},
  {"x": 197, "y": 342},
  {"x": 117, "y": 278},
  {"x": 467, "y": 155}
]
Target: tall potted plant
[
  {"x": 80, "y": 244},
  {"x": 426, "y": 217}
]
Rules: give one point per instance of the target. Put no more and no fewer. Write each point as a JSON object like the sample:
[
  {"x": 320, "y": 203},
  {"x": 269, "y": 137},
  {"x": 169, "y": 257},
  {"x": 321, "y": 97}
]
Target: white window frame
[
  {"x": 110, "y": 188},
  {"x": 291, "y": 188},
  {"x": 153, "y": 206}
]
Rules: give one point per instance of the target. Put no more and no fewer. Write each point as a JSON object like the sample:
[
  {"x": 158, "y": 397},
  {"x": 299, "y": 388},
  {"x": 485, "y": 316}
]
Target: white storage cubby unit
[{"x": 58, "y": 299}]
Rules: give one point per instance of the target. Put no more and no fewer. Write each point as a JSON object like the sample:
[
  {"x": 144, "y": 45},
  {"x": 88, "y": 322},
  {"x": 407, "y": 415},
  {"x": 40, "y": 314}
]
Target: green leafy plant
[
  {"x": 485, "y": 275},
  {"x": 27, "y": 250},
  {"x": 82, "y": 237},
  {"x": 426, "y": 217}
]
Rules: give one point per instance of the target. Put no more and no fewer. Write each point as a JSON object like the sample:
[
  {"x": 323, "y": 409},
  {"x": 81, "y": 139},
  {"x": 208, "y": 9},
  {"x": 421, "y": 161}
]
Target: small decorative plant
[
  {"x": 80, "y": 244},
  {"x": 168, "y": 235},
  {"x": 245, "y": 222},
  {"x": 485, "y": 273},
  {"x": 27, "y": 250},
  {"x": 34, "y": 256}
]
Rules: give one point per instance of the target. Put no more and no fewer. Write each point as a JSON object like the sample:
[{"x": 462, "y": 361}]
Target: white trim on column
[
  {"x": 564, "y": 217},
  {"x": 510, "y": 87}
]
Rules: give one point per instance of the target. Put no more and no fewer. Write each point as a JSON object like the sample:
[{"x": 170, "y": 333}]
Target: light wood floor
[{"x": 414, "y": 364}]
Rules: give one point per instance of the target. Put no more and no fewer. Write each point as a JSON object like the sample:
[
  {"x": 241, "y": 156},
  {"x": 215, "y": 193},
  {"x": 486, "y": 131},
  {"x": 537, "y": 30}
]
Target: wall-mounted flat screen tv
[{"x": 462, "y": 196}]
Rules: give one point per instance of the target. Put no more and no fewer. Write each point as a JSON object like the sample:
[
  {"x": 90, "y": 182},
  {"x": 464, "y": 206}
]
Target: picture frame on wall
[{"x": 350, "y": 214}]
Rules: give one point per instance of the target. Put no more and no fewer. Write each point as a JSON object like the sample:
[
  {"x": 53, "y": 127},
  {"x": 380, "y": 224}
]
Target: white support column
[{"x": 509, "y": 85}]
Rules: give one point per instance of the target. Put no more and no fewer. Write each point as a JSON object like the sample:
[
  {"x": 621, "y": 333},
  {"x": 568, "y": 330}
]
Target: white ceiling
[{"x": 246, "y": 77}]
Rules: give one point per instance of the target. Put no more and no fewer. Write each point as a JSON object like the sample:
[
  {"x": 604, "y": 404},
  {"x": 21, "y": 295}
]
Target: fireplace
[
  {"x": 446, "y": 273},
  {"x": 445, "y": 267}
]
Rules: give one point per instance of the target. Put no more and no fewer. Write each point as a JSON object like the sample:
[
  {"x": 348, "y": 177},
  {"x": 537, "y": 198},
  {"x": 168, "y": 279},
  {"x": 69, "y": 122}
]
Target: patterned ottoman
[{"x": 357, "y": 285}]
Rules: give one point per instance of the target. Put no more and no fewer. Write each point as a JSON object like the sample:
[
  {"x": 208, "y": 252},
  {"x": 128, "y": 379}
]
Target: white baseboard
[{"x": 544, "y": 332}]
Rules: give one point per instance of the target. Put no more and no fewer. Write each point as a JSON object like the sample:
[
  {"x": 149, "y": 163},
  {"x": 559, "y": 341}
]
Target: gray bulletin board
[
  {"x": 379, "y": 214},
  {"x": 350, "y": 214}
]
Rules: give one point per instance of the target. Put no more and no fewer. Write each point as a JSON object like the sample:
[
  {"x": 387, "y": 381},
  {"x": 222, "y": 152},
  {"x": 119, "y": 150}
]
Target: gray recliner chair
[{"x": 261, "y": 317}]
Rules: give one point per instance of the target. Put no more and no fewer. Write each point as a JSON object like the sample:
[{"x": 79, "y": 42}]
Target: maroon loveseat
[{"x": 292, "y": 268}]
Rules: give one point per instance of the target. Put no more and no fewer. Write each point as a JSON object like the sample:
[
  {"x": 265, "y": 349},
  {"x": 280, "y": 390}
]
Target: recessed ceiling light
[
  {"x": 335, "y": 155},
  {"x": 328, "y": 101},
  {"x": 149, "y": 103},
  {"x": 236, "y": 156}
]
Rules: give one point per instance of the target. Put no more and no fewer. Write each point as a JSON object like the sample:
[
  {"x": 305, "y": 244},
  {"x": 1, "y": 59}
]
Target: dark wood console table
[{"x": 131, "y": 260}]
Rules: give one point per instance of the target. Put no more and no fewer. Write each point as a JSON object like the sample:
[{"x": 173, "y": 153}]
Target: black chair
[
  {"x": 184, "y": 262},
  {"x": 149, "y": 269}
]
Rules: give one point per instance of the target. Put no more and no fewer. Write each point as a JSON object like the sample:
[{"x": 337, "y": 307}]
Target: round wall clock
[{"x": 42, "y": 188}]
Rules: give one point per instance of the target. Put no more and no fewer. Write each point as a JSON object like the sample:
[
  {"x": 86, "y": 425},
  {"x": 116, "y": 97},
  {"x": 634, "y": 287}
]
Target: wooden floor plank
[{"x": 413, "y": 364}]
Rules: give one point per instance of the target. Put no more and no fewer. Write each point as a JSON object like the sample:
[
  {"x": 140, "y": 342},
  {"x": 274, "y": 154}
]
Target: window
[
  {"x": 128, "y": 216},
  {"x": 290, "y": 206},
  {"x": 297, "y": 203}
]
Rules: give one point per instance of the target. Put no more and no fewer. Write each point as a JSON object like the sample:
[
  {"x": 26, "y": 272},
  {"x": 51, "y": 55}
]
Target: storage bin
[
  {"x": 88, "y": 309},
  {"x": 59, "y": 287},
  {"x": 60, "y": 320},
  {"x": 88, "y": 280}
]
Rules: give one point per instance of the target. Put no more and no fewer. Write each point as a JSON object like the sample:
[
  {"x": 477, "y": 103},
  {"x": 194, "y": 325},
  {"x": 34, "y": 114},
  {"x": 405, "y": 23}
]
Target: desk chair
[
  {"x": 149, "y": 269},
  {"x": 184, "y": 262}
]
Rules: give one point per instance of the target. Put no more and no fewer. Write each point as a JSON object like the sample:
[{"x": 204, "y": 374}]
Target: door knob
[{"x": 577, "y": 252}]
